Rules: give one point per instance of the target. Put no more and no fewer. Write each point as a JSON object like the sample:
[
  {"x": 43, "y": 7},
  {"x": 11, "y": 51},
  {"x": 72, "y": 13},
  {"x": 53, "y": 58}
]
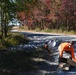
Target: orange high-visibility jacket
[{"x": 66, "y": 47}]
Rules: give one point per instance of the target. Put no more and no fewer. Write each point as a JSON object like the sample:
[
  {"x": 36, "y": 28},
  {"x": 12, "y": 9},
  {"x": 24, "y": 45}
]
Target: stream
[{"x": 37, "y": 40}]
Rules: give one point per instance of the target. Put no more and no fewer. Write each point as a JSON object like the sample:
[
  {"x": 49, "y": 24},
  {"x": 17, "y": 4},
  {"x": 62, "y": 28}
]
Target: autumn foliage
[{"x": 52, "y": 14}]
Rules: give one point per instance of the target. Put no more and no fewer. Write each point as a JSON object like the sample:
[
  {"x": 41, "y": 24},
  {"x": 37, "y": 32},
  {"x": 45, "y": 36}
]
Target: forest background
[{"x": 38, "y": 14}]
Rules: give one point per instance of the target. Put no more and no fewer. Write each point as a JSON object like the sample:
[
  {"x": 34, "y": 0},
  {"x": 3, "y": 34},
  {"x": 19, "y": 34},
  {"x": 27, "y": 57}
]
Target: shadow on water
[{"x": 18, "y": 62}]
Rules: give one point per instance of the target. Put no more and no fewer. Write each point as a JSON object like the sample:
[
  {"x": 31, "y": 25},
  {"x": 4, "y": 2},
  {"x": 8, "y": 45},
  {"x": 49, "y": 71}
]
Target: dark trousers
[
  {"x": 65, "y": 59},
  {"x": 62, "y": 60}
]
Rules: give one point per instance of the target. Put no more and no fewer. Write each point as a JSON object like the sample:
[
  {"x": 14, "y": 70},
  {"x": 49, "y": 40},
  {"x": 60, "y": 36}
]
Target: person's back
[
  {"x": 67, "y": 47},
  {"x": 49, "y": 45}
]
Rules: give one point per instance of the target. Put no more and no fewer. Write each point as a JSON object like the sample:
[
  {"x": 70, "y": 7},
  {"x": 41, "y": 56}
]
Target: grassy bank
[
  {"x": 13, "y": 39},
  {"x": 58, "y": 31}
]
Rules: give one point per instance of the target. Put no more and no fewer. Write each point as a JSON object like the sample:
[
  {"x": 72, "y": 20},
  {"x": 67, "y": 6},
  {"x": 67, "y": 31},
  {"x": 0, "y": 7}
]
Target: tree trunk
[
  {"x": 5, "y": 22},
  {"x": 5, "y": 28},
  {"x": 1, "y": 22}
]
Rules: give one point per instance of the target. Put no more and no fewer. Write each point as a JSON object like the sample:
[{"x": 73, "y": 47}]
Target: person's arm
[
  {"x": 73, "y": 56},
  {"x": 45, "y": 46},
  {"x": 60, "y": 51},
  {"x": 74, "y": 59}
]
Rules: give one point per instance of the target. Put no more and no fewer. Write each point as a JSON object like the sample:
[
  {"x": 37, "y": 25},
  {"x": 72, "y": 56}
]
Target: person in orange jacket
[{"x": 68, "y": 48}]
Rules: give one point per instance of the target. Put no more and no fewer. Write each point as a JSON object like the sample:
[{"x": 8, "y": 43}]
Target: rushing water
[{"x": 38, "y": 40}]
